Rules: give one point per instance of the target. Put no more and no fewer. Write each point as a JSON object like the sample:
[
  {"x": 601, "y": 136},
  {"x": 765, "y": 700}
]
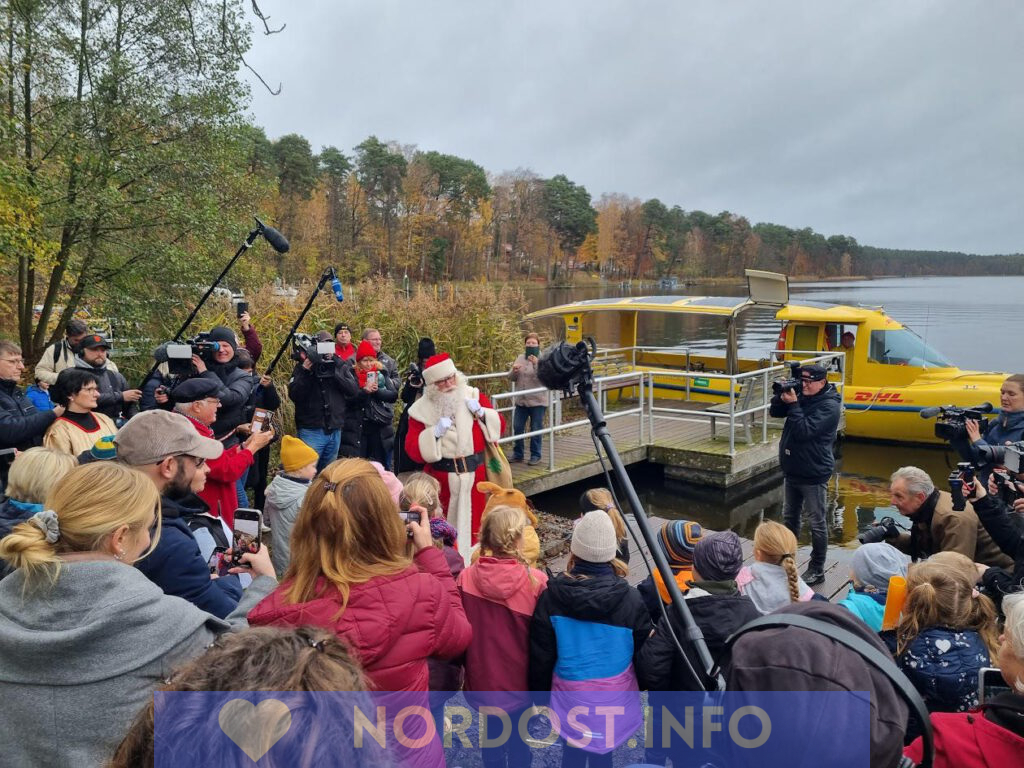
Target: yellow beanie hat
[{"x": 295, "y": 454}]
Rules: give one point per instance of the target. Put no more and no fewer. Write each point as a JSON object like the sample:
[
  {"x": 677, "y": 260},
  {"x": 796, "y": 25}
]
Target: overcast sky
[{"x": 899, "y": 123}]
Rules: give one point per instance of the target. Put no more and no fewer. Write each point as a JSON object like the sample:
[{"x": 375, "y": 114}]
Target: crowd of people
[{"x": 122, "y": 572}]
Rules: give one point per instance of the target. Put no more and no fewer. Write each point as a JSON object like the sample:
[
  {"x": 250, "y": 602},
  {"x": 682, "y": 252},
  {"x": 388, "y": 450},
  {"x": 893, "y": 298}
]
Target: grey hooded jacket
[
  {"x": 284, "y": 497},
  {"x": 79, "y": 660}
]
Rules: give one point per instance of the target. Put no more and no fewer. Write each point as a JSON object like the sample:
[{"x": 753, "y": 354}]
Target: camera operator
[
  {"x": 236, "y": 384},
  {"x": 320, "y": 403},
  {"x": 935, "y": 525},
  {"x": 805, "y": 455},
  {"x": 1006, "y": 530},
  {"x": 1006, "y": 428},
  {"x": 412, "y": 391}
]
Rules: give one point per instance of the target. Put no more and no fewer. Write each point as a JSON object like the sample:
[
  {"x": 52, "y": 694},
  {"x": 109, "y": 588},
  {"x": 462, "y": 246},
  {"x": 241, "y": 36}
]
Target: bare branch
[{"x": 265, "y": 19}]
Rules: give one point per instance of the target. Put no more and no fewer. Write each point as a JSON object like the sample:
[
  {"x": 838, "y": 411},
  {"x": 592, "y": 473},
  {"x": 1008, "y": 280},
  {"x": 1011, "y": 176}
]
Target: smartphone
[
  {"x": 535, "y": 351},
  {"x": 216, "y": 560},
  {"x": 241, "y": 308},
  {"x": 260, "y": 420},
  {"x": 990, "y": 683},
  {"x": 248, "y": 533},
  {"x": 405, "y": 511}
]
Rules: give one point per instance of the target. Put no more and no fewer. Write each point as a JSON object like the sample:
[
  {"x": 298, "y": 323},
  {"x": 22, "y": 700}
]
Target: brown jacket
[{"x": 952, "y": 531}]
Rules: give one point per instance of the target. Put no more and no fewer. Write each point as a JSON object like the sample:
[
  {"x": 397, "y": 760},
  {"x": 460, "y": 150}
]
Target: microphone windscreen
[
  {"x": 930, "y": 413},
  {"x": 336, "y": 287},
  {"x": 277, "y": 241},
  {"x": 984, "y": 408}
]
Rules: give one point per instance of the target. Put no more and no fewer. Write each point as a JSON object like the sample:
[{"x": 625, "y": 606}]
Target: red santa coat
[
  {"x": 219, "y": 492},
  {"x": 423, "y": 447}
]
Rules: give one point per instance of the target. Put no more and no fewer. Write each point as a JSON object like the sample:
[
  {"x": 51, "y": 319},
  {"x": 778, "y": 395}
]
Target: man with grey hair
[{"x": 935, "y": 526}]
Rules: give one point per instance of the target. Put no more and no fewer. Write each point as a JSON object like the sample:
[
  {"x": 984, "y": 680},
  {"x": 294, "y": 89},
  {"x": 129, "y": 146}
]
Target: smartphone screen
[
  {"x": 260, "y": 417},
  {"x": 215, "y": 559},
  {"x": 241, "y": 308},
  {"x": 248, "y": 525},
  {"x": 990, "y": 683}
]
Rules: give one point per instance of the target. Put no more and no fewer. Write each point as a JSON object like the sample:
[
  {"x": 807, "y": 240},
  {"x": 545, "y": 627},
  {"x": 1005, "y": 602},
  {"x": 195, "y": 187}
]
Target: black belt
[{"x": 462, "y": 465}]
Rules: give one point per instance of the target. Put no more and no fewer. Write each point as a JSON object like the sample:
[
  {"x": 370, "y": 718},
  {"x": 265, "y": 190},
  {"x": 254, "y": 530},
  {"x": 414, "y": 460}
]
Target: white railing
[{"x": 747, "y": 396}]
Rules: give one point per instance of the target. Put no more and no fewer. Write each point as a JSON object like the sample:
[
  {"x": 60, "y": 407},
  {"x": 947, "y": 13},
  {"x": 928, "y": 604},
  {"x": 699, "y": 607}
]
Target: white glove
[
  {"x": 442, "y": 426},
  {"x": 474, "y": 406}
]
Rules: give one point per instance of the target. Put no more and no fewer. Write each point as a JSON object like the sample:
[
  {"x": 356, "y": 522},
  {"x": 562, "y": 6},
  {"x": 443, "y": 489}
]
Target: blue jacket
[
  {"x": 11, "y": 513},
  {"x": 869, "y": 607},
  {"x": 178, "y": 567},
  {"x": 805, "y": 450},
  {"x": 21, "y": 424},
  {"x": 40, "y": 398},
  {"x": 943, "y": 665}
]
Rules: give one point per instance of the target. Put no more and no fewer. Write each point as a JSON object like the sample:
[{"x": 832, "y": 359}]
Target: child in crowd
[
  {"x": 315, "y": 730},
  {"x": 601, "y": 498},
  {"x": 947, "y": 632},
  {"x": 871, "y": 568},
  {"x": 587, "y": 629},
  {"x": 511, "y": 497},
  {"x": 677, "y": 540},
  {"x": 422, "y": 490},
  {"x": 772, "y": 581},
  {"x": 284, "y": 497},
  {"x": 499, "y": 594},
  {"x": 717, "y": 608},
  {"x": 39, "y": 394}
]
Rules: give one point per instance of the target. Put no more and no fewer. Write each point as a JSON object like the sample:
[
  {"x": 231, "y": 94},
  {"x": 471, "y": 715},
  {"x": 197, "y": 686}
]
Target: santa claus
[{"x": 448, "y": 427}]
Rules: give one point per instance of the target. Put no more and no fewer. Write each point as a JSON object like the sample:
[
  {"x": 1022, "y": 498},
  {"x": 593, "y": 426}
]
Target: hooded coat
[
  {"x": 80, "y": 660},
  {"x": 369, "y": 410},
  {"x": 112, "y": 386},
  {"x": 767, "y": 585},
  {"x": 392, "y": 624},
  {"x": 991, "y": 738},
  {"x": 13, "y": 512},
  {"x": 585, "y": 637},
  {"x": 499, "y": 598},
  {"x": 22, "y": 425},
  {"x": 236, "y": 389},
  {"x": 284, "y": 497},
  {"x": 805, "y": 450}
]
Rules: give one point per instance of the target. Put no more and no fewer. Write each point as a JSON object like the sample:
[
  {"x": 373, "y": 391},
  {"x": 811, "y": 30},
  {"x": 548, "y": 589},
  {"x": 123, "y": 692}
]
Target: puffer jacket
[
  {"x": 236, "y": 389},
  {"x": 574, "y": 616},
  {"x": 499, "y": 596},
  {"x": 991, "y": 738},
  {"x": 178, "y": 567},
  {"x": 22, "y": 425},
  {"x": 284, "y": 497},
  {"x": 112, "y": 387},
  {"x": 392, "y": 624},
  {"x": 219, "y": 493},
  {"x": 718, "y": 609},
  {"x": 869, "y": 607},
  {"x": 369, "y": 409},
  {"x": 943, "y": 665},
  {"x": 805, "y": 451},
  {"x": 13, "y": 512}
]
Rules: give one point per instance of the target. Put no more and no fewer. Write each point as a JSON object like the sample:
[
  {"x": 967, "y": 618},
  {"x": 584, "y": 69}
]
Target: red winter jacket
[
  {"x": 220, "y": 493},
  {"x": 499, "y": 601},
  {"x": 968, "y": 740}
]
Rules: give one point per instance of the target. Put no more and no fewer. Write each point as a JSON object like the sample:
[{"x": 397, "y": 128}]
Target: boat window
[
  {"x": 904, "y": 347},
  {"x": 805, "y": 338}
]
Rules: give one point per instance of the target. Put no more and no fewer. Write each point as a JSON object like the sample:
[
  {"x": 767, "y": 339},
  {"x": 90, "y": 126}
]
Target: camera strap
[{"x": 865, "y": 650}]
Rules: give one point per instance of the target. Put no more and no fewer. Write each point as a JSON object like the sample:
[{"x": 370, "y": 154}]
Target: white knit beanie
[{"x": 593, "y": 538}]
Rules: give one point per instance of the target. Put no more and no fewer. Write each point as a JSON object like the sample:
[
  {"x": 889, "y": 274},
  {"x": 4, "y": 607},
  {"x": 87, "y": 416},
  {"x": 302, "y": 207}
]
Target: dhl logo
[{"x": 879, "y": 397}]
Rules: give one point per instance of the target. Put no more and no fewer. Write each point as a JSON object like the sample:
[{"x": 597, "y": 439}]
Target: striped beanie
[{"x": 677, "y": 540}]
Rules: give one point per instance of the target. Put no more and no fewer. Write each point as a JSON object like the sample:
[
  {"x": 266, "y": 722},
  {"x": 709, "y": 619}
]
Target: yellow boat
[{"x": 887, "y": 373}]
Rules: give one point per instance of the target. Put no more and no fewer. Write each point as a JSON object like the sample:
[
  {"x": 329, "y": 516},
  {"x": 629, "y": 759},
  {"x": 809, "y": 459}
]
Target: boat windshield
[{"x": 904, "y": 347}]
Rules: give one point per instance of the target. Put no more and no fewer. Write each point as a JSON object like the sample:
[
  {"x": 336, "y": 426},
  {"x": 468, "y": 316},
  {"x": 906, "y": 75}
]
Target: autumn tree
[
  {"x": 568, "y": 212},
  {"x": 380, "y": 170}
]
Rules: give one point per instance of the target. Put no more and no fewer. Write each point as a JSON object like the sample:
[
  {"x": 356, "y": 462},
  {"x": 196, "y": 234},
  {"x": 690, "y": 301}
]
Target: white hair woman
[
  {"x": 993, "y": 735},
  {"x": 85, "y": 637}
]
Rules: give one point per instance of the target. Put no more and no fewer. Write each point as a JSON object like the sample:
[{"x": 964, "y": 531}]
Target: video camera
[
  {"x": 951, "y": 420},
  {"x": 791, "y": 384},
  {"x": 321, "y": 353},
  {"x": 1012, "y": 454}
]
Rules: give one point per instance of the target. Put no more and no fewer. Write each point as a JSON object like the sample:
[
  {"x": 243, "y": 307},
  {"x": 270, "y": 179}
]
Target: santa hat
[{"x": 438, "y": 367}]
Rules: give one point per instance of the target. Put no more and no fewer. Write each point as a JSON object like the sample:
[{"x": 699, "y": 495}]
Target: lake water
[{"x": 974, "y": 321}]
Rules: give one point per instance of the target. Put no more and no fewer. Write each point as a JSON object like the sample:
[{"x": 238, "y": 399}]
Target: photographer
[
  {"x": 1006, "y": 530},
  {"x": 1006, "y": 428},
  {"x": 935, "y": 525},
  {"x": 412, "y": 391},
  {"x": 236, "y": 384},
  {"x": 805, "y": 455},
  {"x": 320, "y": 401}
]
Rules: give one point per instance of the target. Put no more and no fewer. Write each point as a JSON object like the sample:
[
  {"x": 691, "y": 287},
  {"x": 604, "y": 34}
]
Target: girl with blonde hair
[
  {"x": 84, "y": 636},
  {"x": 772, "y": 581},
  {"x": 350, "y": 573},
  {"x": 499, "y": 593}
]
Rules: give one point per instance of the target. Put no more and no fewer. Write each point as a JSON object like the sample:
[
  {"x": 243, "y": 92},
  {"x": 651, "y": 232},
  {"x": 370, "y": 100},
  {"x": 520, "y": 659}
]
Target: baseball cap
[
  {"x": 92, "y": 341},
  {"x": 152, "y": 436},
  {"x": 813, "y": 372}
]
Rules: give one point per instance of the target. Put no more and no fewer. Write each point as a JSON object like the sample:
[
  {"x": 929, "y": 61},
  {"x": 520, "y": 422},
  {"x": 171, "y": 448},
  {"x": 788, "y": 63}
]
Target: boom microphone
[
  {"x": 336, "y": 287},
  {"x": 931, "y": 413},
  {"x": 277, "y": 241}
]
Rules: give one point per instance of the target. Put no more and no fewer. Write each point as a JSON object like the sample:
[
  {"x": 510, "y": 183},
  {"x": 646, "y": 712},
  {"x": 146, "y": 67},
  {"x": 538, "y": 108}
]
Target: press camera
[
  {"x": 790, "y": 384},
  {"x": 321, "y": 353},
  {"x": 951, "y": 420}
]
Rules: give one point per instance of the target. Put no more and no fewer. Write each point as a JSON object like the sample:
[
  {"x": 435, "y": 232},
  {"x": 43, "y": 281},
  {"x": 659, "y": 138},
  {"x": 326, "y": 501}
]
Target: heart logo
[
  {"x": 943, "y": 645},
  {"x": 255, "y": 729}
]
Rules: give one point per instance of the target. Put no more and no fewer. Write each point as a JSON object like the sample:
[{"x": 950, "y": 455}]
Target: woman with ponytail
[
  {"x": 499, "y": 592},
  {"x": 85, "y": 637},
  {"x": 350, "y": 573},
  {"x": 947, "y": 632},
  {"x": 772, "y": 580}
]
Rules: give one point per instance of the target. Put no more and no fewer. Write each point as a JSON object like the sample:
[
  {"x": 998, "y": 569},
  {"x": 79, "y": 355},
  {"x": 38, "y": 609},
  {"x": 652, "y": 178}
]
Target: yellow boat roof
[{"x": 723, "y": 306}]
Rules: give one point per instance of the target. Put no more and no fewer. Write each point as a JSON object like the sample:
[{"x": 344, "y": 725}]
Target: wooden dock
[{"x": 684, "y": 445}]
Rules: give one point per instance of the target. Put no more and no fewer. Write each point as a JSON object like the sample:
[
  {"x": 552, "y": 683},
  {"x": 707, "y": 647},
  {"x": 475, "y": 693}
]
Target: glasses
[
  {"x": 195, "y": 460},
  {"x": 15, "y": 360},
  {"x": 447, "y": 379}
]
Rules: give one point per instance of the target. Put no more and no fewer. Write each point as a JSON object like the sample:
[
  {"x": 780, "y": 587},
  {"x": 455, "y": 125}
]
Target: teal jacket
[{"x": 867, "y": 606}]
